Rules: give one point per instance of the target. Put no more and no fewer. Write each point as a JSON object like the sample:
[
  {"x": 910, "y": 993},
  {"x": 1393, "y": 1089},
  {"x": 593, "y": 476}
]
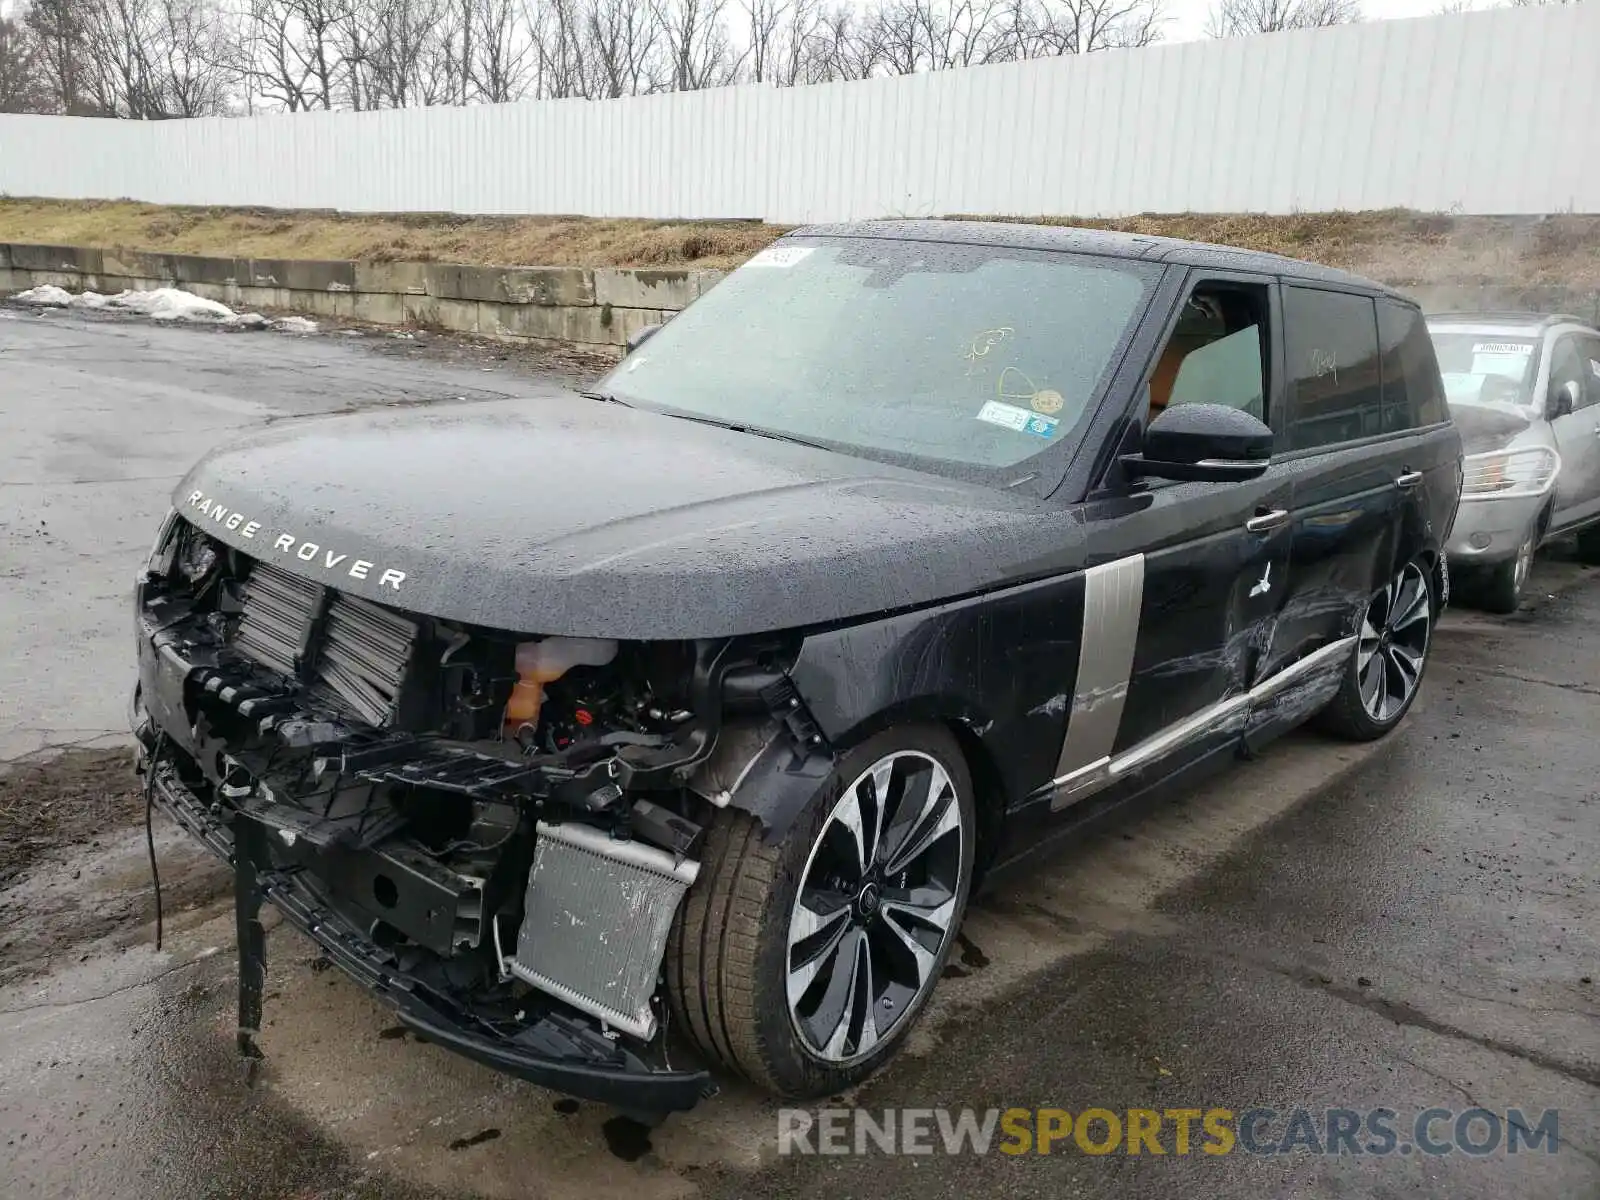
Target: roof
[
  {"x": 1508, "y": 319},
  {"x": 1078, "y": 240}
]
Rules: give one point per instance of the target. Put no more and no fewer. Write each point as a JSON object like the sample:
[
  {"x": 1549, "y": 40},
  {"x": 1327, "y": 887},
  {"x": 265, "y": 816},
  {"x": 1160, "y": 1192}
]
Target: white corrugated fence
[{"x": 1489, "y": 112}]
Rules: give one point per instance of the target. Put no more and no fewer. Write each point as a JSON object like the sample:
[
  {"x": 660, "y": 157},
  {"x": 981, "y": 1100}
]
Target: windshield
[
  {"x": 966, "y": 360},
  {"x": 1490, "y": 370}
]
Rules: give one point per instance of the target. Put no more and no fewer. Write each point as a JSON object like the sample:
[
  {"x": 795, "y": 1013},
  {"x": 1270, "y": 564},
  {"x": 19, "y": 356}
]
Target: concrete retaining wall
[{"x": 594, "y": 309}]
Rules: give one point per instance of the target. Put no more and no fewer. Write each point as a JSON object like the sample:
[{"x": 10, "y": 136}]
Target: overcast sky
[{"x": 1187, "y": 18}]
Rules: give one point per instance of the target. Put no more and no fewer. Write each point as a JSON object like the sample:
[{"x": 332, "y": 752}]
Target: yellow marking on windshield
[{"x": 978, "y": 349}]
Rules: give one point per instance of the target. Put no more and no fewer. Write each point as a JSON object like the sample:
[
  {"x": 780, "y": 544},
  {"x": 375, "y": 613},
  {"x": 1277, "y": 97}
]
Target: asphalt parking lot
[{"x": 1404, "y": 926}]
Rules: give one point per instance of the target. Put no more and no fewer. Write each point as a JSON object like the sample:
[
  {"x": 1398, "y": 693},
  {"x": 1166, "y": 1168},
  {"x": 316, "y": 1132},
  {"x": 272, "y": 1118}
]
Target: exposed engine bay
[{"x": 494, "y": 829}]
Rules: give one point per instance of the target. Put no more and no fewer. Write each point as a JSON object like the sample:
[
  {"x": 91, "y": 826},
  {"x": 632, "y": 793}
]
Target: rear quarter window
[
  {"x": 1413, "y": 390},
  {"x": 1335, "y": 383}
]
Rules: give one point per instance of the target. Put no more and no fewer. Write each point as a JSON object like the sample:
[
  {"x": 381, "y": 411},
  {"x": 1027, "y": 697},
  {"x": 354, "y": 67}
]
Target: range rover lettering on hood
[{"x": 288, "y": 545}]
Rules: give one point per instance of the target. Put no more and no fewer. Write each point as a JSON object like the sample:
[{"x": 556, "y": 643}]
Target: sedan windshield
[
  {"x": 966, "y": 360},
  {"x": 1485, "y": 369}
]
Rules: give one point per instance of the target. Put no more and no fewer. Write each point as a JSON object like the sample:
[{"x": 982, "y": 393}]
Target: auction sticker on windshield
[{"x": 1009, "y": 416}]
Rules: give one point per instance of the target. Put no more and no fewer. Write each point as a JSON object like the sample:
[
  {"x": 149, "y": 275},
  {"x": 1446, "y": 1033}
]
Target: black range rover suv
[{"x": 624, "y": 738}]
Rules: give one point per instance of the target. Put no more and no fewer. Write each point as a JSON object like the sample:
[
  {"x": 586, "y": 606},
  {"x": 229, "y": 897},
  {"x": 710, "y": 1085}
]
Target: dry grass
[
  {"x": 421, "y": 237},
  {"x": 1400, "y": 247}
]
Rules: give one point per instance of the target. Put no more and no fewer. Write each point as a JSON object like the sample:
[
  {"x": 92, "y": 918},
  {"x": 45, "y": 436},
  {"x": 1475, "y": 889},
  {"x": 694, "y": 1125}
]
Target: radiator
[
  {"x": 359, "y": 651},
  {"x": 596, "y": 920}
]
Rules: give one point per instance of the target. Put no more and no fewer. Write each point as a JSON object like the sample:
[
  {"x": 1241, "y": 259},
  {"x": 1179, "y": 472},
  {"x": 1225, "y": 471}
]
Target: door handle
[
  {"x": 1408, "y": 481},
  {"x": 1266, "y": 522}
]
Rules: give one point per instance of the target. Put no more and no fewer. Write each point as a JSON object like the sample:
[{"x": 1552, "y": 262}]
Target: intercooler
[
  {"x": 596, "y": 921},
  {"x": 358, "y": 652}
]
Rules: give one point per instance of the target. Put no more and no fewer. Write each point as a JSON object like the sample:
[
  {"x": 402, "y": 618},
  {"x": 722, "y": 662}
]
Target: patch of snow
[
  {"x": 46, "y": 295},
  {"x": 162, "y": 304},
  {"x": 172, "y": 304}
]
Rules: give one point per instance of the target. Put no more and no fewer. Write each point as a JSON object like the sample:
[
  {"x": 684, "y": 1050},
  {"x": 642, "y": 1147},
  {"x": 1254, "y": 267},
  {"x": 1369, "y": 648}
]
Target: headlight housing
[
  {"x": 1509, "y": 473},
  {"x": 159, "y": 560}
]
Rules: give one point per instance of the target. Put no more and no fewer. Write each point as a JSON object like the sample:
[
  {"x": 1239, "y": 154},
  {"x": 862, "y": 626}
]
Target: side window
[
  {"x": 1568, "y": 365},
  {"x": 1413, "y": 391},
  {"x": 1216, "y": 353},
  {"x": 1589, "y": 348},
  {"x": 1335, "y": 392}
]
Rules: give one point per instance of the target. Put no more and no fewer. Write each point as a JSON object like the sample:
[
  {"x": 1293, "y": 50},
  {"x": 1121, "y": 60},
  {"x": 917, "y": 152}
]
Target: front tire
[
  {"x": 1503, "y": 584},
  {"x": 1588, "y": 541},
  {"x": 1391, "y": 655},
  {"x": 803, "y": 965}
]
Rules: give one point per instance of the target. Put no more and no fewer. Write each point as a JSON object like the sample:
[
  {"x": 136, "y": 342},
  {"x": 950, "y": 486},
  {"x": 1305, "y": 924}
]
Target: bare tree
[
  {"x": 61, "y": 42},
  {"x": 623, "y": 43},
  {"x": 22, "y": 83},
  {"x": 1237, "y": 18},
  {"x": 827, "y": 44},
  {"x": 194, "y": 67},
  {"x": 498, "y": 51},
  {"x": 144, "y": 59},
  {"x": 764, "y": 20},
  {"x": 157, "y": 58},
  {"x": 403, "y": 53},
  {"x": 557, "y": 33},
  {"x": 291, "y": 51},
  {"x": 695, "y": 38}
]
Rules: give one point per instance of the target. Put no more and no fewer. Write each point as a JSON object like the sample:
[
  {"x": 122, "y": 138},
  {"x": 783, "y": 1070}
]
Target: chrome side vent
[
  {"x": 363, "y": 656},
  {"x": 276, "y": 623},
  {"x": 596, "y": 920}
]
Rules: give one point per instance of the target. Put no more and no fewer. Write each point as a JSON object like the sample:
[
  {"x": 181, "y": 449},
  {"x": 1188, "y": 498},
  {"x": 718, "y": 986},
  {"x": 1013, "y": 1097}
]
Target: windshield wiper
[
  {"x": 698, "y": 419},
  {"x": 605, "y": 398},
  {"x": 739, "y": 427}
]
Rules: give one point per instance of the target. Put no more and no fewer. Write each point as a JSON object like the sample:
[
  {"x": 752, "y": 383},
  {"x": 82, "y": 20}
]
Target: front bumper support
[{"x": 549, "y": 1048}]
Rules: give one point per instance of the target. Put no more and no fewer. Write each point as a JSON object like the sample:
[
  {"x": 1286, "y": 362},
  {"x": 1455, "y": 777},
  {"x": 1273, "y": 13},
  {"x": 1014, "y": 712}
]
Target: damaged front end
[{"x": 490, "y": 830}]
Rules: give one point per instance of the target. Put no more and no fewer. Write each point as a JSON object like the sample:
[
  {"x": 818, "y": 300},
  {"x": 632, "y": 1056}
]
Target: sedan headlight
[{"x": 1508, "y": 473}]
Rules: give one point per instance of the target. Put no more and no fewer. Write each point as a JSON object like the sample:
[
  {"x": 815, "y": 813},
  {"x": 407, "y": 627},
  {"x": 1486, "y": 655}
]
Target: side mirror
[
  {"x": 1208, "y": 443},
  {"x": 641, "y": 337},
  {"x": 1561, "y": 400}
]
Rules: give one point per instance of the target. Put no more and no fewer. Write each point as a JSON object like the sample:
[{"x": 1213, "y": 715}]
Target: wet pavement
[
  {"x": 99, "y": 419},
  {"x": 1399, "y": 926}
]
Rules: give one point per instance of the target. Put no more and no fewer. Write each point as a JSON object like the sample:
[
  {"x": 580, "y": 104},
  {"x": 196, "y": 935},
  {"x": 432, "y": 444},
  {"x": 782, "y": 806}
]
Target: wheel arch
[{"x": 761, "y": 768}]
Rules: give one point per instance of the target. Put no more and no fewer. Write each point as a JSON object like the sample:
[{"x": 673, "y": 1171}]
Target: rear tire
[
  {"x": 1385, "y": 672},
  {"x": 730, "y": 966}
]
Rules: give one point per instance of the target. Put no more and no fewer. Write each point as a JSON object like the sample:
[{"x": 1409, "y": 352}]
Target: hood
[
  {"x": 1488, "y": 427},
  {"x": 567, "y": 516}
]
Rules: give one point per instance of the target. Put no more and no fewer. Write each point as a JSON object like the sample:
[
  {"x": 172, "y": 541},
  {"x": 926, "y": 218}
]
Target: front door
[
  {"x": 1181, "y": 607},
  {"x": 1575, "y": 367}
]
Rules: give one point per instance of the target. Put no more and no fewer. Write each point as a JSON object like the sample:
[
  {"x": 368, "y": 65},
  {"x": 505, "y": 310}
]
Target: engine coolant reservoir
[{"x": 539, "y": 663}]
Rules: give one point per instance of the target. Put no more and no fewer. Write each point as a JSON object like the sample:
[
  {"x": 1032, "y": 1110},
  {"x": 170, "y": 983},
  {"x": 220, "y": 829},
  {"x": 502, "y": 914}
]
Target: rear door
[{"x": 1367, "y": 485}]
